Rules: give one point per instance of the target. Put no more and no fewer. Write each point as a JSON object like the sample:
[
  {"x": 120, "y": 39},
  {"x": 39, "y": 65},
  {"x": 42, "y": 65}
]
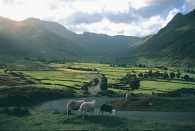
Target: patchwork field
[
  {"x": 25, "y": 83},
  {"x": 25, "y": 72}
]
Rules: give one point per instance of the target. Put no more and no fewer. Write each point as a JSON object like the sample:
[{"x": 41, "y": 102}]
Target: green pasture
[
  {"x": 33, "y": 120},
  {"x": 37, "y": 74},
  {"x": 157, "y": 86},
  {"x": 53, "y": 76}
]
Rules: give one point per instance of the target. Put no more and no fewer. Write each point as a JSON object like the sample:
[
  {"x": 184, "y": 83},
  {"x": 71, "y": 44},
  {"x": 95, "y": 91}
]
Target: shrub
[
  {"x": 106, "y": 93},
  {"x": 17, "y": 111},
  {"x": 173, "y": 94},
  {"x": 17, "y": 96}
]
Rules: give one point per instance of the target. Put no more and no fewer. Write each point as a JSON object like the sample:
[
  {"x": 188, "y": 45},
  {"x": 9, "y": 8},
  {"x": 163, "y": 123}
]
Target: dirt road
[{"x": 60, "y": 105}]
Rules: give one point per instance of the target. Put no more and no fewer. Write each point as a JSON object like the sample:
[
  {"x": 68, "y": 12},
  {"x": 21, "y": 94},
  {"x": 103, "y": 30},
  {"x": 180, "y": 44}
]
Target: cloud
[
  {"x": 81, "y": 17},
  {"x": 124, "y": 17},
  {"x": 170, "y": 16},
  {"x": 129, "y": 16},
  {"x": 189, "y": 5}
]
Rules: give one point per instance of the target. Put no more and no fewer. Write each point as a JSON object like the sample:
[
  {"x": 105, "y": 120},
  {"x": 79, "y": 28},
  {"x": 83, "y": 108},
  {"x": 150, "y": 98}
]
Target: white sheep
[
  {"x": 128, "y": 95},
  {"x": 74, "y": 105},
  {"x": 87, "y": 107}
]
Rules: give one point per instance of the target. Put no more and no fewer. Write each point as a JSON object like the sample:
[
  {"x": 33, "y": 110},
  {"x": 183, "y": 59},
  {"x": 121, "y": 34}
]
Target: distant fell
[
  {"x": 175, "y": 42},
  {"x": 33, "y": 37}
]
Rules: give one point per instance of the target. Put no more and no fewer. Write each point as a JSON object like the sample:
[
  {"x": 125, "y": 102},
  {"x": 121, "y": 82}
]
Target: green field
[
  {"x": 25, "y": 77},
  {"x": 48, "y": 121},
  {"x": 57, "y": 76}
]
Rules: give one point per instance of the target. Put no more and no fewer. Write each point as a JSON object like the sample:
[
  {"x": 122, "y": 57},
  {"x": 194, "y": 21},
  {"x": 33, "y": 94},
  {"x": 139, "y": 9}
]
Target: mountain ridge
[
  {"x": 175, "y": 42},
  {"x": 33, "y": 37}
]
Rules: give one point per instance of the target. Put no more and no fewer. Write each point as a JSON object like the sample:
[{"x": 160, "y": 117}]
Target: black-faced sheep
[
  {"x": 87, "y": 107},
  {"x": 106, "y": 108},
  {"x": 74, "y": 105}
]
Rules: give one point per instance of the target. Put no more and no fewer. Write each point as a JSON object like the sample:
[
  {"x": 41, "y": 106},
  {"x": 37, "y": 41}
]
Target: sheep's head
[{"x": 94, "y": 101}]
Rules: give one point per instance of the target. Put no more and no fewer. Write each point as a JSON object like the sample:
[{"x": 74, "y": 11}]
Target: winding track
[{"x": 60, "y": 105}]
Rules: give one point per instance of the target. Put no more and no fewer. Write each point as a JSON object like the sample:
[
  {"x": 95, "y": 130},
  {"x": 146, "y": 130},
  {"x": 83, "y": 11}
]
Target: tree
[
  {"x": 134, "y": 84},
  {"x": 96, "y": 81},
  {"x": 178, "y": 75},
  {"x": 157, "y": 74},
  {"x": 84, "y": 87},
  {"x": 145, "y": 75},
  {"x": 150, "y": 73},
  {"x": 165, "y": 75},
  {"x": 172, "y": 75},
  {"x": 140, "y": 65},
  {"x": 186, "y": 77},
  {"x": 103, "y": 84},
  {"x": 140, "y": 75}
]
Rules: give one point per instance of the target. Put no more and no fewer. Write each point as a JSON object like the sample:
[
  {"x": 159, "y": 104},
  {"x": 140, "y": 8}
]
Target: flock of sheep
[{"x": 84, "y": 107}]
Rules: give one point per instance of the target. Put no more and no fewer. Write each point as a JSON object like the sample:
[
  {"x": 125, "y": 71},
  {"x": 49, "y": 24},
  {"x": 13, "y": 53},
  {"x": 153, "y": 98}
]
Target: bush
[
  {"x": 17, "y": 111},
  {"x": 106, "y": 93},
  {"x": 169, "y": 94},
  {"x": 17, "y": 96},
  {"x": 173, "y": 94}
]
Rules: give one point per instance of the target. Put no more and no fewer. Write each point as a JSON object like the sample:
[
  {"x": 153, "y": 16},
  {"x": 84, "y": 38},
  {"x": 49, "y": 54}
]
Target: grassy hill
[
  {"x": 175, "y": 42},
  {"x": 35, "y": 38},
  {"x": 99, "y": 44},
  {"x": 31, "y": 38}
]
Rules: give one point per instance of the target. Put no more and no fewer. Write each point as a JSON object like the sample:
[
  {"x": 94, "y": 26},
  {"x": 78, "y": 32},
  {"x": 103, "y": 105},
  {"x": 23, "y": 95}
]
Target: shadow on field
[
  {"x": 104, "y": 121},
  {"x": 16, "y": 111}
]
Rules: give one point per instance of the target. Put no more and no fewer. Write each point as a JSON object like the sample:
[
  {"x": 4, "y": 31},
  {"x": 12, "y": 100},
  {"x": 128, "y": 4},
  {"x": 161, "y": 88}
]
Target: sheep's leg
[
  {"x": 100, "y": 110},
  {"x": 83, "y": 113},
  {"x": 67, "y": 112}
]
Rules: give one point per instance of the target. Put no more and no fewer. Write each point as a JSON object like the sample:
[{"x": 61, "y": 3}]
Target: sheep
[
  {"x": 107, "y": 108},
  {"x": 73, "y": 105},
  {"x": 128, "y": 95},
  {"x": 87, "y": 107}
]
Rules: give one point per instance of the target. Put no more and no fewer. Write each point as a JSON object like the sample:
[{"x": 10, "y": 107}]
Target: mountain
[
  {"x": 175, "y": 42},
  {"x": 31, "y": 38},
  {"x": 99, "y": 44},
  {"x": 35, "y": 38}
]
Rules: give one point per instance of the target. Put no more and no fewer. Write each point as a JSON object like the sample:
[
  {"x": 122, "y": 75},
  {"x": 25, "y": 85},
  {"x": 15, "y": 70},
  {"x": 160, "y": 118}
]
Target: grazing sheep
[
  {"x": 106, "y": 108},
  {"x": 128, "y": 95},
  {"x": 113, "y": 112},
  {"x": 73, "y": 105},
  {"x": 87, "y": 107}
]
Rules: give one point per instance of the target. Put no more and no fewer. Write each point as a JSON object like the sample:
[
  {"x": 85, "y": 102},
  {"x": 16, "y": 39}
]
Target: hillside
[
  {"x": 99, "y": 44},
  {"x": 31, "y": 38},
  {"x": 35, "y": 38},
  {"x": 175, "y": 42}
]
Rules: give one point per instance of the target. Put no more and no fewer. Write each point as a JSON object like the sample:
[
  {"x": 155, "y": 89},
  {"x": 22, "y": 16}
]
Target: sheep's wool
[{"x": 113, "y": 112}]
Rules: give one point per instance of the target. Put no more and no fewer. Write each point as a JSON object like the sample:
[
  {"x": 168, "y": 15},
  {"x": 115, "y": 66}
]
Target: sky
[{"x": 112, "y": 17}]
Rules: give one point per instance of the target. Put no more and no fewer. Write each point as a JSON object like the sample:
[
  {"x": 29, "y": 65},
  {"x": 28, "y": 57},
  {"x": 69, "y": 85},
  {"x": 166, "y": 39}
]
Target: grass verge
[{"x": 48, "y": 121}]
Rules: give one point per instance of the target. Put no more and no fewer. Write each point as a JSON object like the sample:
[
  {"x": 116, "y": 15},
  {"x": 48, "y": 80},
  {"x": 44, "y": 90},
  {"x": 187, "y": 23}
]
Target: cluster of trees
[
  {"x": 118, "y": 65},
  {"x": 103, "y": 85},
  {"x": 132, "y": 80},
  {"x": 189, "y": 71},
  {"x": 164, "y": 75},
  {"x": 82, "y": 69},
  {"x": 140, "y": 65},
  {"x": 161, "y": 67},
  {"x": 46, "y": 61}
]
